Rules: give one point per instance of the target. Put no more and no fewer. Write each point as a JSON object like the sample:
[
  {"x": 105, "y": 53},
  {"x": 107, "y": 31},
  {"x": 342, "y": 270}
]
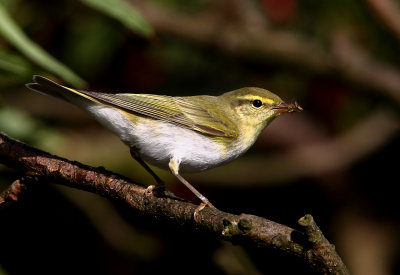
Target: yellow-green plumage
[
  {"x": 180, "y": 133},
  {"x": 194, "y": 112}
]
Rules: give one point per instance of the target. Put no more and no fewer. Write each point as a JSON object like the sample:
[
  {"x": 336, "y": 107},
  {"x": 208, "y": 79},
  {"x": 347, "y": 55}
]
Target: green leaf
[
  {"x": 16, "y": 122},
  {"x": 15, "y": 36},
  {"x": 124, "y": 12},
  {"x": 14, "y": 64}
]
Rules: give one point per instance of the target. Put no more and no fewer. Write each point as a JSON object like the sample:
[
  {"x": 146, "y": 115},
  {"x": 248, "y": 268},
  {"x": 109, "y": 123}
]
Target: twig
[
  {"x": 241, "y": 229},
  {"x": 388, "y": 12},
  {"x": 14, "y": 191},
  {"x": 238, "y": 39},
  {"x": 322, "y": 250},
  {"x": 264, "y": 44},
  {"x": 355, "y": 63}
]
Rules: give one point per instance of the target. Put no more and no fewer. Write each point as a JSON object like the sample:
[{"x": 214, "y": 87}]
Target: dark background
[{"x": 337, "y": 160}]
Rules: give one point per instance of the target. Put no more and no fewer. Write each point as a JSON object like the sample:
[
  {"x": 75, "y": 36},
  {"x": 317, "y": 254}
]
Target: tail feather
[{"x": 48, "y": 87}]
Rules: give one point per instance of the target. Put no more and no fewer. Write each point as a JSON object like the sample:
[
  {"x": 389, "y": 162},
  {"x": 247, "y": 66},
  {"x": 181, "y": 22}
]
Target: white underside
[{"x": 157, "y": 145}]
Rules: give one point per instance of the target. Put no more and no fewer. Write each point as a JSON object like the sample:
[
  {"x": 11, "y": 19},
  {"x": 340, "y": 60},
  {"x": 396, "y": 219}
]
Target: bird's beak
[{"x": 286, "y": 107}]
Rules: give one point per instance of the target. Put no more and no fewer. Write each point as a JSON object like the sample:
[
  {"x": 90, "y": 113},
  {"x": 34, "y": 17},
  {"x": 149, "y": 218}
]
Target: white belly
[{"x": 157, "y": 144}]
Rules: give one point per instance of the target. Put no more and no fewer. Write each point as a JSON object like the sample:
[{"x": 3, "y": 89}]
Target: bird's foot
[
  {"x": 152, "y": 190},
  {"x": 203, "y": 204}
]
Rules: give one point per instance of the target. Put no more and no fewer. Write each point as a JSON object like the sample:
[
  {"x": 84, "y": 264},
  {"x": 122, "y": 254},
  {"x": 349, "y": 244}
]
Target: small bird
[{"x": 182, "y": 134}]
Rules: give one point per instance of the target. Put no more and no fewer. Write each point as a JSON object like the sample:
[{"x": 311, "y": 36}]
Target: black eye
[{"x": 257, "y": 103}]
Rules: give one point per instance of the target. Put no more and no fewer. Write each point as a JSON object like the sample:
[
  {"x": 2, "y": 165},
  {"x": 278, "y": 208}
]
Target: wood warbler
[{"x": 183, "y": 134}]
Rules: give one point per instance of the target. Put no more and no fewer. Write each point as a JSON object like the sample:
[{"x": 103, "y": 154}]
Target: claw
[
  {"x": 151, "y": 189},
  {"x": 202, "y": 205}
]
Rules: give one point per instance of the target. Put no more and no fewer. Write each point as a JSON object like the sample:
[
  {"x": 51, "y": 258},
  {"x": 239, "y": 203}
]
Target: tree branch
[{"x": 242, "y": 229}]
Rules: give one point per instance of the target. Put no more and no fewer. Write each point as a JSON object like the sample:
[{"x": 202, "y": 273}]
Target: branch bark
[{"x": 244, "y": 229}]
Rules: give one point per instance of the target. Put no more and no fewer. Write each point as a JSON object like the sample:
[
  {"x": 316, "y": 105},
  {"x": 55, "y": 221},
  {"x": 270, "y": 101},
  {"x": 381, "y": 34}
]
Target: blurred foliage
[
  {"x": 121, "y": 46},
  {"x": 124, "y": 12},
  {"x": 118, "y": 9},
  {"x": 2, "y": 271},
  {"x": 12, "y": 33},
  {"x": 20, "y": 125},
  {"x": 11, "y": 63}
]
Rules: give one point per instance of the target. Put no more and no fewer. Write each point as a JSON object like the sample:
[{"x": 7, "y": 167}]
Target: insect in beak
[{"x": 286, "y": 107}]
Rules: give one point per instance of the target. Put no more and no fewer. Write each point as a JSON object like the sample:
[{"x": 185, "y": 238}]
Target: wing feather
[{"x": 185, "y": 113}]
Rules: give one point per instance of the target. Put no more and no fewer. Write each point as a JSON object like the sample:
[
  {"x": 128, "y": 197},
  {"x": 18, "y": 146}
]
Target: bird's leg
[
  {"x": 160, "y": 184},
  {"x": 174, "y": 166}
]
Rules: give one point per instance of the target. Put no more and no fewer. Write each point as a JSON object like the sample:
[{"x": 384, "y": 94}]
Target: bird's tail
[{"x": 48, "y": 87}]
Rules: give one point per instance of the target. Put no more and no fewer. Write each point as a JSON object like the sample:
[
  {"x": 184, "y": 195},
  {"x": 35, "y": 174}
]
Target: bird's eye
[{"x": 257, "y": 103}]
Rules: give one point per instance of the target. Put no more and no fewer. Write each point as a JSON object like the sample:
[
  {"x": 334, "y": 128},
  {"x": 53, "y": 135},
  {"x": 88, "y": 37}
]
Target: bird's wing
[
  {"x": 185, "y": 112},
  {"x": 181, "y": 112}
]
